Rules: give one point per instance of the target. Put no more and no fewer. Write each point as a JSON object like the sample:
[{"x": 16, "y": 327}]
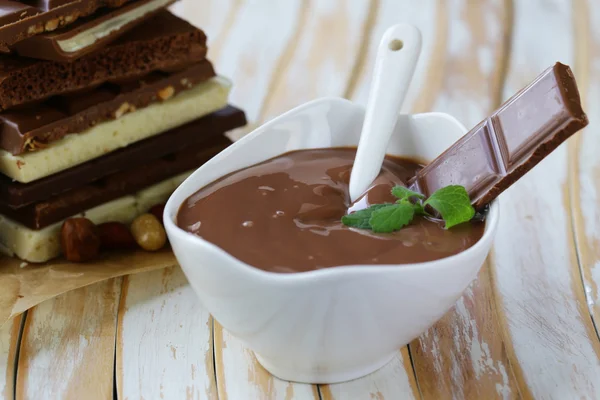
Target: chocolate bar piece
[
  {"x": 16, "y": 195},
  {"x": 32, "y": 128},
  {"x": 20, "y": 19},
  {"x": 515, "y": 138},
  {"x": 118, "y": 184},
  {"x": 90, "y": 33},
  {"x": 163, "y": 42}
]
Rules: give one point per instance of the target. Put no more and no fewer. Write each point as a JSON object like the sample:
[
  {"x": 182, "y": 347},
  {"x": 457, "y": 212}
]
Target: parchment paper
[{"x": 22, "y": 287}]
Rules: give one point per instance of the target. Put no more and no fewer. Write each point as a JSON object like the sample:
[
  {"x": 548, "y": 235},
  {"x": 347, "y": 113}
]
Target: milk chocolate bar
[
  {"x": 515, "y": 138},
  {"x": 90, "y": 33},
  {"x": 20, "y": 19},
  {"x": 164, "y": 42},
  {"x": 32, "y": 128},
  {"x": 118, "y": 184},
  {"x": 16, "y": 195}
]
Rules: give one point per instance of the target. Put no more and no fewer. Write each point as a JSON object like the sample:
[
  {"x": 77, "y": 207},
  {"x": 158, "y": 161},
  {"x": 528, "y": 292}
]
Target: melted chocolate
[{"x": 284, "y": 215}]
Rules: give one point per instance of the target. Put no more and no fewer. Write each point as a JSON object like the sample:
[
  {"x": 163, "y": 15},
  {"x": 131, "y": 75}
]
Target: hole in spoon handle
[{"x": 396, "y": 44}]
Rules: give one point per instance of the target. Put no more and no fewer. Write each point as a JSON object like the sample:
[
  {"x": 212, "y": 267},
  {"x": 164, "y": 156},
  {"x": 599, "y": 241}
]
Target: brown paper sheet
[{"x": 24, "y": 287}]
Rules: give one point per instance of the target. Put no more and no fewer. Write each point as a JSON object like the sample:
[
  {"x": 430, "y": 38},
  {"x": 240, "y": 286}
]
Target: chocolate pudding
[{"x": 284, "y": 215}]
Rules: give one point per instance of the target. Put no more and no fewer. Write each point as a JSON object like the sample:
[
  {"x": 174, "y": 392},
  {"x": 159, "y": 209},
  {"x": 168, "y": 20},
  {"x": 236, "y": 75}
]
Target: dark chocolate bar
[
  {"x": 118, "y": 184},
  {"x": 33, "y": 127},
  {"x": 84, "y": 36},
  {"x": 16, "y": 195},
  {"x": 515, "y": 138},
  {"x": 163, "y": 42},
  {"x": 26, "y": 18}
]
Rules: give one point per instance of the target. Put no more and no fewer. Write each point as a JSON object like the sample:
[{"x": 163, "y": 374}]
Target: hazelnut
[
  {"x": 33, "y": 144},
  {"x": 115, "y": 236},
  {"x": 33, "y": 29},
  {"x": 124, "y": 108},
  {"x": 166, "y": 93},
  {"x": 79, "y": 240},
  {"x": 148, "y": 232},
  {"x": 51, "y": 25}
]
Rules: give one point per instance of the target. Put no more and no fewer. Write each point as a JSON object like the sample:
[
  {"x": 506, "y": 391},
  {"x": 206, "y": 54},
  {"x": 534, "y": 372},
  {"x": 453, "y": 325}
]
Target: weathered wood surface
[
  {"x": 68, "y": 345},
  {"x": 526, "y": 328},
  {"x": 164, "y": 339}
]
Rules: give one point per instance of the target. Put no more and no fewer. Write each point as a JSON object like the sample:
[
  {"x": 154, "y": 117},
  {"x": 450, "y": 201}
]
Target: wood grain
[
  {"x": 9, "y": 344},
  {"x": 240, "y": 376},
  {"x": 164, "y": 341},
  {"x": 463, "y": 355},
  {"x": 323, "y": 54},
  {"x": 254, "y": 48},
  {"x": 389, "y": 382},
  {"x": 549, "y": 335},
  {"x": 68, "y": 345},
  {"x": 584, "y": 165}
]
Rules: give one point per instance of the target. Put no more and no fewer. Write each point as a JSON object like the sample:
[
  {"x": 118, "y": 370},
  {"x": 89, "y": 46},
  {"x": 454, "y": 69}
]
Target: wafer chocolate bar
[
  {"x": 515, "y": 138},
  {"x": 200, "y": 132},
  {"x": 90, "y": 33},
  {"x": 116, "y": 185},
  {"x": 34, "y": 127},
  {"x": 164, "y": 42},
  {"x": 26, "y": 18}
]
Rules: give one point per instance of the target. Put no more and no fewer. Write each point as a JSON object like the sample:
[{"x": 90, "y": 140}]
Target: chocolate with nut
[
  {"x": 162, "y": 43},
  {"x": 20, "y": 19},
  {"x": 34, "y": 127},
  {"x": 88, "y": 34},
  {"x": 201, "y": 132}
]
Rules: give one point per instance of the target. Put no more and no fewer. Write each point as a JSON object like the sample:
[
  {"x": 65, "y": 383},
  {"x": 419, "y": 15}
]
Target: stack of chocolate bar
[{"x": 105, "y": 107}]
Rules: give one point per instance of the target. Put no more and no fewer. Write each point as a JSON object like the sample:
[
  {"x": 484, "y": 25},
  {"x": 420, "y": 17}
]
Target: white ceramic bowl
[{"x": 334, "y": 324}]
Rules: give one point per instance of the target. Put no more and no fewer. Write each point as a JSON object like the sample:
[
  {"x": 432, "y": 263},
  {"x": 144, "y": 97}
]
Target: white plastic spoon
[{"x": 397, "y": 57}]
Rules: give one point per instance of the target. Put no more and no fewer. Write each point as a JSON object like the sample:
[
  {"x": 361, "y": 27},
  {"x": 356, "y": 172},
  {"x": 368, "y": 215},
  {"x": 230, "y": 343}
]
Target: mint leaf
[
  {"x": 453, "y": 203},
  {"x": 404, "y": 193},
  {"x": 392, "y": 217},
  {"x": 360, "y": 219}
]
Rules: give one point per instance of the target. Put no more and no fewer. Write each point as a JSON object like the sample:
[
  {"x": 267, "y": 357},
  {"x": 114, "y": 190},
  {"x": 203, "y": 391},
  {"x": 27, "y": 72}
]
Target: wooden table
[{"x": 526, "y": 328}]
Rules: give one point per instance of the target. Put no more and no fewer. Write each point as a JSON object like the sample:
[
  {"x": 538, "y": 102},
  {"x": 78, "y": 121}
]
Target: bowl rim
[{"x": 178, "y": 234}]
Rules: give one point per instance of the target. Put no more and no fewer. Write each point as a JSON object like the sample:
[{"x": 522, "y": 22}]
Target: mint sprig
[{"x": 451, "y": 202}]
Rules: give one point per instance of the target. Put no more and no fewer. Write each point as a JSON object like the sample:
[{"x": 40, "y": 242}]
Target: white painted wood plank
[
  {"x": 585, "y": 147},
  {"x": 240, "y": 376},
  {"x": 250, "y": 54},
  {"x": 551, "y": 340},
  {"x": 320, "y": 62},
  {"x": 164, "y": 341},
  {"x": 463, "y": 356},
  {"x": 68, "y": 345},
  {"x": 389, "y": 382},
  {"x": 9, "y": 341}
]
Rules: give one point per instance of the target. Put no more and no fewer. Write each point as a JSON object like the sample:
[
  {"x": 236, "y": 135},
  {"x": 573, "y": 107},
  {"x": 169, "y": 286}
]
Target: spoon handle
[{"x": 397, "y": 57}]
